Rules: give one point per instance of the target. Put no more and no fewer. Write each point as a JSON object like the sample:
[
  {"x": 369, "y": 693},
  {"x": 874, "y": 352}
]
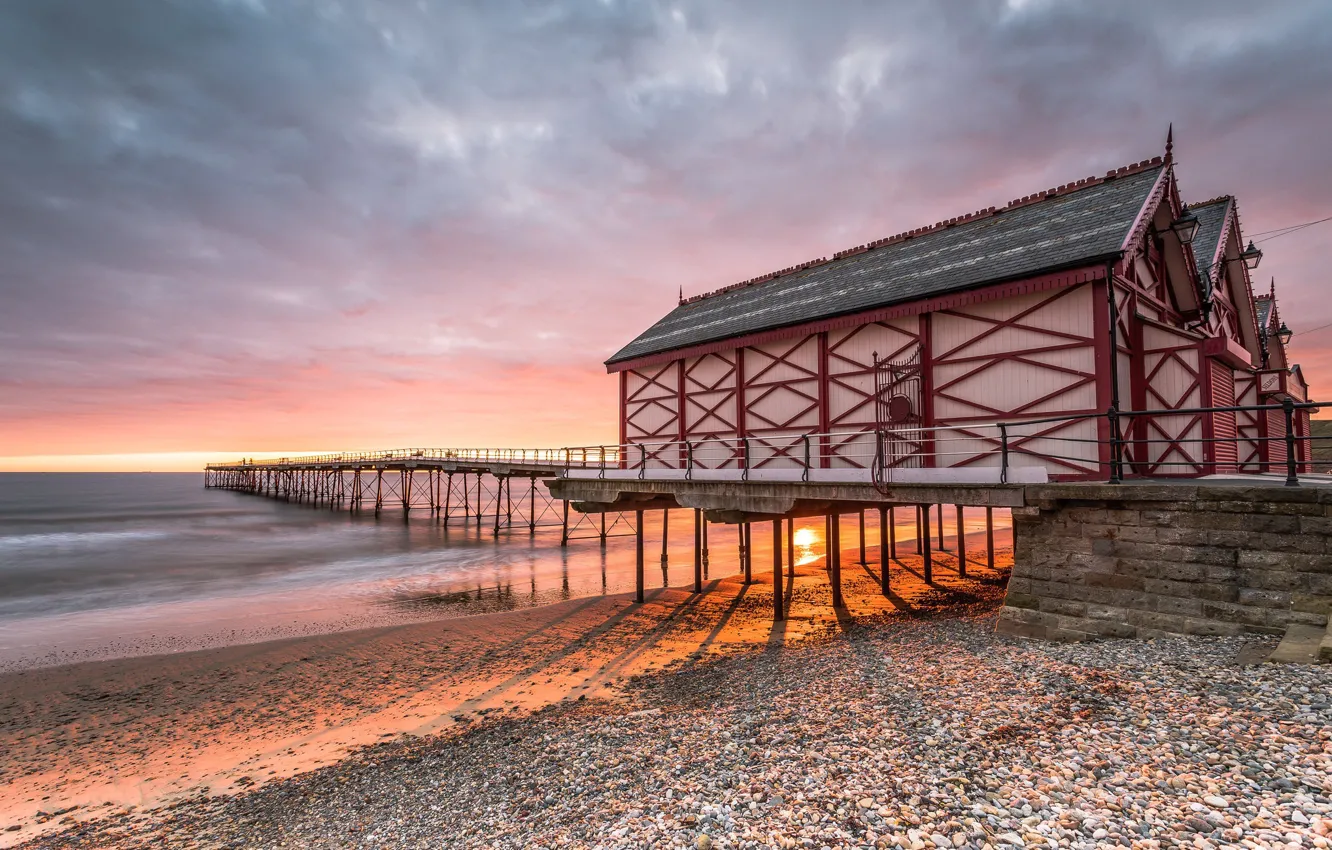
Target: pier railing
[{"x": 1113, "y": 445}]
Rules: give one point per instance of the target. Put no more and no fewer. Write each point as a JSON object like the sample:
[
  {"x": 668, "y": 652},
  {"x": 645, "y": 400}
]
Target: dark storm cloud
[{"x": 221, "y": 194}]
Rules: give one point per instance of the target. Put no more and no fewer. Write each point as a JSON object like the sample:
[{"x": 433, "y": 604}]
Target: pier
[{"x": 1131, "y": 554}]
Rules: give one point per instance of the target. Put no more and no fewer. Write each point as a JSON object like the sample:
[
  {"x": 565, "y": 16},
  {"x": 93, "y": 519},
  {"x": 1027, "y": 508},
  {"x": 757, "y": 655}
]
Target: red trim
[
  {"x": 1227, "y": 350},
  {"x": 1026, "y": 286},
  {"x": 927, "y": 384},
  {"x": 824, "y": 404},
  {"x": 741, "y": 402},
  {"x": 624, "y": 407},
  {"x": 1148, "y": 210},
  {"x": 1102, "y": 355}
]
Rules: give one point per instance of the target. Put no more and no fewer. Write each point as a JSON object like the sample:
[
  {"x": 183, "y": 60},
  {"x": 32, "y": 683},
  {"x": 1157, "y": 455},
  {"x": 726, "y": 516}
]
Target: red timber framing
[
  {"x": 1173, "y": 378},
  {"x": 1250, "y": 425},
  {"x": 651, "y": 411},
  {"x": 1024, "y": 357},
  {"x": 780, "y": 391},
  {"x": 1018, "y": 350},
  {"x": 851, "y": 388},
  {"x": 709, "y": 389}
]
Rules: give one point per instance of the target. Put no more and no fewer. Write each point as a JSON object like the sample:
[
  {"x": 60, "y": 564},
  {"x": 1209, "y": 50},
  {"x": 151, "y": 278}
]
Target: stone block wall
[{"x": 1143, "y": 560}]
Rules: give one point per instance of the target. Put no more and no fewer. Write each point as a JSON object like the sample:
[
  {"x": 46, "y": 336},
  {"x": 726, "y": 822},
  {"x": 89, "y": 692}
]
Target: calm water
[{"x": 93, "y": 565}]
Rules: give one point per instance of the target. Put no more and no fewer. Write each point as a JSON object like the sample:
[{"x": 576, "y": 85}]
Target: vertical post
[
  {"x": 564, "y": 534},
  {"x": 698, "y": 551},
  {"x": 892, "y": 533},
  {"x": 942, "y": 547},
  {"x": 499, "y": 491},
  {"x": 638, "y": 562},
  {"x": 405, "y": 485},
  {"x": 1003, "y": 453},
  {"x": 508, "y": 500},
  {"x": 925, "y": 535},
  {"x": 835, "y": 574},
  {"x": 705, "y": 546},
  {"x": 466, "y": 500},
  {"x": 989, "y": 537},
  {"x": 777, "y": 614},
  {"x": 747, "y": 552},
  {"x": 884, "y": 559},
  {"x": 790, "y": 546},
  {"x": 1288, "y": 411},
  {"x": 665, "y": 529},
  {"x": 448, "y": 497},
  {"x": 920, "y": 546},
  {"x": 603, "y": 529},
  {"x": 531, "y": 506},
  {"x": 479, "y": 477},
  {"x": 961, "y": 544},
  {"x": 863, "y": 561},
  {"x": 379, "y": 490}
]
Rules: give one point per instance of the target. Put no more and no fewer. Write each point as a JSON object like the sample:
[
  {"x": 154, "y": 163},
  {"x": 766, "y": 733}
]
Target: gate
[{"x": 897, "y": 411}]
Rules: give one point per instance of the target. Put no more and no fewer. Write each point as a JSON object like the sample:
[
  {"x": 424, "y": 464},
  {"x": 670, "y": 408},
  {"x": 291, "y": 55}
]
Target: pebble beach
[{"x": 876, "y": 728}]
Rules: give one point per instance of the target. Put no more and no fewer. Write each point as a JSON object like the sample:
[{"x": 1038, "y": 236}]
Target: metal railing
[{"x": 1115, "y": 445}]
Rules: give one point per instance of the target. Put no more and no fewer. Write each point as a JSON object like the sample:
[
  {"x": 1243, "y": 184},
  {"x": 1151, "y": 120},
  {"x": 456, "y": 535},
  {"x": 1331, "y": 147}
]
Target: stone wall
[{"x": 1138, "y": 560}]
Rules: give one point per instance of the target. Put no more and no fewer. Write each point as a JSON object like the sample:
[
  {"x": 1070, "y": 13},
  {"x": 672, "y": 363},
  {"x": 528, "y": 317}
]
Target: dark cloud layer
[{"x": 216, "y": 214}]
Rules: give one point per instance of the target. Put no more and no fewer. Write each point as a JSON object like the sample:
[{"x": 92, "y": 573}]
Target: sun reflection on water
[{"x": 805, "y": 540}]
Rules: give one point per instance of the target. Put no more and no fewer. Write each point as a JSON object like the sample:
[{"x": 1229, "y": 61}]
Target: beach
[
  {"x": 694, "y": 721},
  {"x": 92, "y": 739}
]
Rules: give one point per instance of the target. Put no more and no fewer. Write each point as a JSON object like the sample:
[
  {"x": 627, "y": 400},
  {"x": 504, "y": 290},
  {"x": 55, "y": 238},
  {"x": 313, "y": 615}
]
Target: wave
[{"x": 66, "y": 539}]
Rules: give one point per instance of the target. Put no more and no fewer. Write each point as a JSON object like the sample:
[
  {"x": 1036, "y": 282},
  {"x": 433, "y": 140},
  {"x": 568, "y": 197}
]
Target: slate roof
[
  {"x": 1263, "y": 305},
  {"x": 1211, "y": 221},
  {"x": 1026, "y": 238}
]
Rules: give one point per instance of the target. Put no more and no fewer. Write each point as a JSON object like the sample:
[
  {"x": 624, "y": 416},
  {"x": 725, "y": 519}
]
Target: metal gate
[{"x": 897, "y": 413}]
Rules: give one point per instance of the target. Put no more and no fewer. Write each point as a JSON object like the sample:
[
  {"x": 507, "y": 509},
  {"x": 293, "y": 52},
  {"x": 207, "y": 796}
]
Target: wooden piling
[
  {"x": 638, "y": 562},
  {"x": 777, "y": 614},
  {"x": 747, "y": 552},
  {"x": 863, "y": 560},
  {"x": 989, "y": 537},
  {"x": 835, "y": 571},
  {"x": 790, "y": 548},
  {"x": 892, "y": 534},
  {"x": 925, "y": 535},
  {"x": 883, "y": 550},
  {"x": 961, "y": 544},
  {"x": 942, "y": 547},
  {"x": 665, "y": 530},
  {"x": 698, "y": 551}
]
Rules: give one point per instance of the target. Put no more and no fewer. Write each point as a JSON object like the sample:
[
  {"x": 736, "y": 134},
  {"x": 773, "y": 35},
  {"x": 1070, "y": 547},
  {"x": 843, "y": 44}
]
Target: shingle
[
  {"x": 1211, "y": 221},
  {"x": 1263, "y": 305},
  {"x": 1059, "y": 232}
]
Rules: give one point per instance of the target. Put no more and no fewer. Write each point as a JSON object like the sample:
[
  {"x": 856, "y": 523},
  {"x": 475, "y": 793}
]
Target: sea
[{"x": 104, "y": 565}]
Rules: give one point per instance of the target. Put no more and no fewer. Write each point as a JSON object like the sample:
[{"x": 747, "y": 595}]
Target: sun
[{"x": 806, "y": 537}]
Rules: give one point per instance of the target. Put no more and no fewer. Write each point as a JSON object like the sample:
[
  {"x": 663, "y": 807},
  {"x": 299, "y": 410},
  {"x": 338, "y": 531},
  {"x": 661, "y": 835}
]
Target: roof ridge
[
  {"x": 1207, "y": 203},
  {"x": 1027, "y": 200}
]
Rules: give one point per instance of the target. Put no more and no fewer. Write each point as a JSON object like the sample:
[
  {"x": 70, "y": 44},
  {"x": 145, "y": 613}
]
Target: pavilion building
[{"x": 1095, "y": 320}]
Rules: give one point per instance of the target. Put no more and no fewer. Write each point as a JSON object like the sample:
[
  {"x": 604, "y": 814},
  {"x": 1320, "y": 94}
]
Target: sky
[{"x": 239, "y": 227}]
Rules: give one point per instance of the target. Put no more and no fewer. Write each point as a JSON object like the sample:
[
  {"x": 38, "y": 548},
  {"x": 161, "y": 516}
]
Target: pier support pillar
[
  {"x": 925, "y": 535},
  {"x": 863, "y": 560},
  {"x": 942, "y": 547},
  {"x": 892, "y": 533},
  {"x": 777, "y": 613},
  {"x": 531, "y": 506},
  {"x": 705, "y": 546},
  {"x": 698, "y": 551},
  {"x": 638, "y": 562},
  {"x": 746, "y": 551},
  {"x": 790, "y": 548},
  {"x": 989, "y": 537},
  {"x": 961, "y": 544},
  {"x": 665, "y": 533},
  {"x": 564, "y": 533},
  {"x": 883, "y": 550},
  {"x": 835, "y": 569}
]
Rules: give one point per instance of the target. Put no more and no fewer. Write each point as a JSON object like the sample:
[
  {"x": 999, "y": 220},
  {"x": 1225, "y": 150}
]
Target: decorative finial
[
  {"x": 682, "y": 293},
  {"x": 1170, "y": 142}
]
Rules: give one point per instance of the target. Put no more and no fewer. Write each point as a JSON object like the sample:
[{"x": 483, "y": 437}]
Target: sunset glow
[{"x": 423, "y": 225}]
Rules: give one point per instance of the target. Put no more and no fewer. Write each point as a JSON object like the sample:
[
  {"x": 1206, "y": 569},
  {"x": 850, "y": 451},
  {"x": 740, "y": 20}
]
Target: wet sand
[{"x": 96, "y": 739}]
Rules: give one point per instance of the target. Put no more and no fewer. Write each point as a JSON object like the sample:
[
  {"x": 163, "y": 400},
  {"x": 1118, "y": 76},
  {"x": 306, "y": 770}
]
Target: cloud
[{"x": 200, "y": 202}]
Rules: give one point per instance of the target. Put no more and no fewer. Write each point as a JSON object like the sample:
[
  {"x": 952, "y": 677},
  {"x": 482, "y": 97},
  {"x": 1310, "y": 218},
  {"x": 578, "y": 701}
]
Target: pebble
[{"x": 930, "y": 733}]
